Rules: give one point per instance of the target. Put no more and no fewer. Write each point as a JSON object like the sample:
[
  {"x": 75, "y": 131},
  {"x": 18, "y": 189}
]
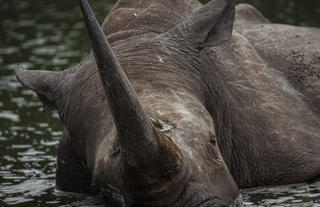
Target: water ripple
[{"x": 9, "y": 115}]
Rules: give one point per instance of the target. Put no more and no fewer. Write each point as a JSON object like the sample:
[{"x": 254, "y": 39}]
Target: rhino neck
[{"x": 231, "y": 129}]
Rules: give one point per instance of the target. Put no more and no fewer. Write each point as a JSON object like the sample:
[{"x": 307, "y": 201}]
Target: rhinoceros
[{"x": 181, "y": 104}]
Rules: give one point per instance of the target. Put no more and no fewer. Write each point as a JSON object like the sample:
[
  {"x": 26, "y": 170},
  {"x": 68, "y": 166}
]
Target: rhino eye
[
  {"x": 156, "y": 123},
  {"x": 213, "y": 139}
]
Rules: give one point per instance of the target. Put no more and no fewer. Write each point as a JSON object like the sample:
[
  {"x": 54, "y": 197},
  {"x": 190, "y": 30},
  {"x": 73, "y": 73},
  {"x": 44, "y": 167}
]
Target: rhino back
[
  {"x": 142, "y": 15},
  {"x": 293, "y": 53},
  {"x": 267, "y": 119},
  {"x": 268, "y": 130}
]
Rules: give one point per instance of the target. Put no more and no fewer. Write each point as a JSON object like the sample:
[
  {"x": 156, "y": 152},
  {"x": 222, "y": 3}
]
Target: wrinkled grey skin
[
  {"x": 271, "y": 74},
  {"x": 223, "y": 110}
]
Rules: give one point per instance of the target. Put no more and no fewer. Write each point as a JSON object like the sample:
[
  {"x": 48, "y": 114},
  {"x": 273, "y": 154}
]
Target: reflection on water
[{"x": 48, "y": 34}]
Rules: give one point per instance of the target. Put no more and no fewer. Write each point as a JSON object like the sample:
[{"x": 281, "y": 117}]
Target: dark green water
[{"x": 49, "y": 34}]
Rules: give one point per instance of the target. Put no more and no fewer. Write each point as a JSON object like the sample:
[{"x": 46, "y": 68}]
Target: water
[{"x": 49, "y": 34}]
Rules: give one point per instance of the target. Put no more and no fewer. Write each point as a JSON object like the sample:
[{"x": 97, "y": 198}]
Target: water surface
[{"x": 49, "y": 34}]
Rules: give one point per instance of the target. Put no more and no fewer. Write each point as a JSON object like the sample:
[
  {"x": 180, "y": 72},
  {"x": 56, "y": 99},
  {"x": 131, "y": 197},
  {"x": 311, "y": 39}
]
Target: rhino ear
[
  {"x": 210, "y": 25},
  {"x": 46, "y": 84}
]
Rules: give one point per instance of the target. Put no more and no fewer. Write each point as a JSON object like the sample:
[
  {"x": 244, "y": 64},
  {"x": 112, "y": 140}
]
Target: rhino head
[{"x": 136, "y": 109}]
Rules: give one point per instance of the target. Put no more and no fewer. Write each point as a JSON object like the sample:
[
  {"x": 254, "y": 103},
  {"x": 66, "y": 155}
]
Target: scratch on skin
[
  {"x": 239, "y": 85},
  {"x": 160, "y": 59}
]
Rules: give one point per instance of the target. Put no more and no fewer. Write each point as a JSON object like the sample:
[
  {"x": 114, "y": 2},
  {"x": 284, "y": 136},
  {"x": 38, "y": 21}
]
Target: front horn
[
  {"x": 150, "y": 160},
  {"x": 134, "y": 128}
]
